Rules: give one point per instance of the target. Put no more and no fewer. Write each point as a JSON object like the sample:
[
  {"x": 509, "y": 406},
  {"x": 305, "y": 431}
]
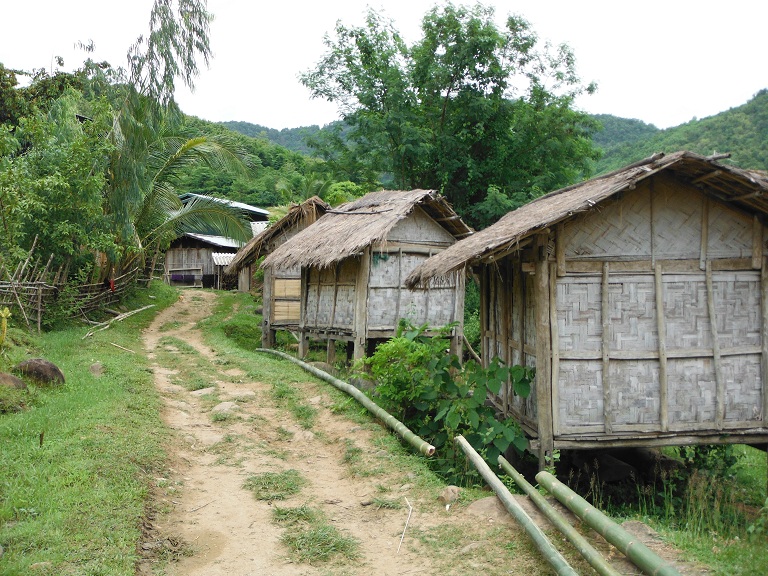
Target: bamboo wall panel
[
  {"x": 287, "y": 288},
  {"x": 580, "y": 395},
  {"x": 676, "y": 221},
  {"x": 419, "y": 228},
  {"x": 286, "y": 311},
  {"x": 635, "y": 393},
  {"x": 730, "y": 233},
  {"x": 691, "y": 394},
  {"x": 633, "y": 351},
  {"x": 621, "y": 229},
  {"x": 744, "y": 389}
]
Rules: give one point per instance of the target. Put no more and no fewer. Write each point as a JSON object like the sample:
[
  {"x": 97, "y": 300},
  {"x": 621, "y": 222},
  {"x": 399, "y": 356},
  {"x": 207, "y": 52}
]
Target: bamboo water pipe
[
  {"x": 542, "y": 543},
  {"x": 420, "y": 444},
  {"x": 595, "y": 559},
  {"x": 637, "y": 552}
]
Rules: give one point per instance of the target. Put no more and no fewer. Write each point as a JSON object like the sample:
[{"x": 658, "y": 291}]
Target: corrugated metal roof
[
  {"x": 220, "y": 241},
  {"x": 222, "y": 258}
]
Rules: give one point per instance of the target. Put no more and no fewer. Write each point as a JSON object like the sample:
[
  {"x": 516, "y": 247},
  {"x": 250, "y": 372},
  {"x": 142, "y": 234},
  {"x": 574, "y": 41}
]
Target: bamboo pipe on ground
[
  {"x": 637, "y": 552},
  {"x": 595, "y": 559},
  {"x": 542, "y": 543},
  {"x": 420, "y": 444}
]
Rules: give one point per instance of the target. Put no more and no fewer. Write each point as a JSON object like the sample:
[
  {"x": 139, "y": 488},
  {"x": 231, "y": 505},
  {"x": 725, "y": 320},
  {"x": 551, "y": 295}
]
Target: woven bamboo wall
[
  {"x": 656, "y": 307},
  {"x": 330, "y": 297},
  {"x": 672, "y": 229}
]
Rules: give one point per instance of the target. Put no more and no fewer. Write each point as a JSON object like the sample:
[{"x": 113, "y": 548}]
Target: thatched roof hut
[
  {"x": 640, "y": 297},
  {"x": 281, "y": 288},
  {"x": 354, "y": 261}
]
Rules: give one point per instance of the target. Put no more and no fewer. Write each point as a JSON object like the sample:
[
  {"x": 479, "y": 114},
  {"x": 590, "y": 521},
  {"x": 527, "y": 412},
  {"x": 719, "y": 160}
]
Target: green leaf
[{"x": 474, "y": 420}]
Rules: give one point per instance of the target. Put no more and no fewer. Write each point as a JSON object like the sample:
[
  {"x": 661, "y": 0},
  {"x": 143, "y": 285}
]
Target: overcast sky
[{"x": 663, "y": 62}]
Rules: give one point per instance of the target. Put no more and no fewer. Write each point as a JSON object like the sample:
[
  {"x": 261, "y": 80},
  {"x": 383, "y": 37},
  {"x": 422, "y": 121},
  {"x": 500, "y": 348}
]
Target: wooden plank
[
  {"x": 267, "y": 335},
  {"x": 521, "y": 305},
  {"x": 704, "y": 234},
  {"x": 764, "y": 336},
  {"x": 399, "y": 284},
  {"x": 360, "y": 322},
  {"x": 672, "y": 353},
  {"x": 653, "y": 202},
  {"x": 458, "y": 313},
  {"x": 560, "y": 249},
  {"x": 543, "y": 350},
  {"x": 646, "y": 266},
  {"x": 555, "y": 349},
  {"x": 506, "y": 324},
  {"x": 605, "y": 315},
  {"x": 720, "y": 383},
  {"x": 661, "y": 329},
  {"x": 303, "y": 337},
  {"x": 390, "y": 247},
  {"x": 757, "y": 243}
]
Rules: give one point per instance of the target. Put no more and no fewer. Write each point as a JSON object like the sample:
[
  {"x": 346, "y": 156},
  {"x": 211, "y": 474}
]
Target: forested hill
[
  {"x": 742, "y": 131},
  {"x": 291, "y": 138}
]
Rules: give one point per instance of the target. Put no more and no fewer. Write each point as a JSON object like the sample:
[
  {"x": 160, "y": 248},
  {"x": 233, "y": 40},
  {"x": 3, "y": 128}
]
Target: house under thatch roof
[
  {"x": 641, "y": 298},
  {"x": 354, "y": 260},
  {"x": 281, "y": 288}
]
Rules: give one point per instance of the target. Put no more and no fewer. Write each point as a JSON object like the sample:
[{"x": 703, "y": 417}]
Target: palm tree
[{"x": 151, "y": 149}]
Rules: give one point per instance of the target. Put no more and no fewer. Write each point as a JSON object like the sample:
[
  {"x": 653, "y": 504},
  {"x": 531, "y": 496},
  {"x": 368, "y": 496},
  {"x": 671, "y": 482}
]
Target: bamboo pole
[
  {"x": 584, "y": 548},
  {"x": 542, "y": 543},
  {"x": 637, "y": 552},
  {"x": 421, "y": 445}
]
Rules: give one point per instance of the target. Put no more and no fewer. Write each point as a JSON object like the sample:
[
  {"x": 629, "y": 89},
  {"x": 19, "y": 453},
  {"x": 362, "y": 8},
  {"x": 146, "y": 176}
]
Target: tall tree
[{"x": 481, "y": 112}]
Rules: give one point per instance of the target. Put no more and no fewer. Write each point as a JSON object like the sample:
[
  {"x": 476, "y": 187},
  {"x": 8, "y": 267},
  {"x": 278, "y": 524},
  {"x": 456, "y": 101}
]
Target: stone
[
  {"x": 97, "y": 369},
  {"x": 41, "y": 371},
  {"x": 11, "y": 381},
  {"x": 449, "y": 495},
  {"x": 225, "y": 408}
]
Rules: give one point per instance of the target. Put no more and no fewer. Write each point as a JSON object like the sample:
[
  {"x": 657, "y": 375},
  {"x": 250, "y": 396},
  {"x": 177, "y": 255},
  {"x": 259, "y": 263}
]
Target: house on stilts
[
  {"x": 641, "y": 298},
  {"x": 281, "y": 288},
  {"x": 354, "y": 261}
]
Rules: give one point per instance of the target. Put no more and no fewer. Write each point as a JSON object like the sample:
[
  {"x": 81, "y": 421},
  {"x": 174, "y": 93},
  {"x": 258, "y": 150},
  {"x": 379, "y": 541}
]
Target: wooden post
[
  {"x": 330, "y": 351},
  {"x": 555, "y": 348},
  {"x": 720, "y": 383},
  {"x": 605, "y": 315},
  {"x": 457, "y": 343},
  {"x": 764, "y": 336},
  {"x": 704, "y": 234},
  {"x": 757, "y": 243},
  {"x": 360, "y": 321},
  {"x": 661, "y": 329},
  {"x": 267, "y": 334},
  {"x": 303, "y": 313},
  {"x": 484, "y": 311},
  {"x": 543, "y": 352},
  {"x": 506, "y": 324}
]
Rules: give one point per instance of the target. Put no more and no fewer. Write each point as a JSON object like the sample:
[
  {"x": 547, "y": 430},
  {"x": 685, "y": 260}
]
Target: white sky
[{"x": 663, "y": 62}]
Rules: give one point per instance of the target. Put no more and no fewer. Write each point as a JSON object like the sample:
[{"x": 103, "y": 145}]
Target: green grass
[
  {"x": 272, "y": 486},
  {"x": 75, "y": 467},
  {"x": 311, "y": 539}
]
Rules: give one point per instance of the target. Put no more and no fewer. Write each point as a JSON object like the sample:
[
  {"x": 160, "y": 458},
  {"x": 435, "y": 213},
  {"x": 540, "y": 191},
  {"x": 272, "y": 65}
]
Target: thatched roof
[
  {"x": 746, "y": 189},
  {"x": 346, "y": 230},
  {"x": 309, "y": 211}
]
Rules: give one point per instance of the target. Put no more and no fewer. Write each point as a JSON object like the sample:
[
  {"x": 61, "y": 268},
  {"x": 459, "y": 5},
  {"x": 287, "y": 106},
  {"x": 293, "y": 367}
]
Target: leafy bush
[{"x": 439, "y": 399}]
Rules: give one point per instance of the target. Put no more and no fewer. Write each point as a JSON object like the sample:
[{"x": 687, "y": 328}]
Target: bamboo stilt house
[
  {"x": 641, "y": 297},
  {"x": 354, "y": 261},
  {"x": 282, "y": 287}
]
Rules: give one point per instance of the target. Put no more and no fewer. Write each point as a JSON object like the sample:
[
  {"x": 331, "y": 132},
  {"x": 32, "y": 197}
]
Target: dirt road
[{"x": 207, "y": 523}]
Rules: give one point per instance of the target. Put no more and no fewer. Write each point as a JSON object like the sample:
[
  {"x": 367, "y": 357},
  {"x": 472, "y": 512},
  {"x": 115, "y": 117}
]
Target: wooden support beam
[
  {"x": 720, "y": 383},
  {"x": 764, "y": 336},
  {"x": 704, "y": 245},
  {"x": 543, "y": 351},
  {"x": 560, "y": 249},
  {"x": 757, "y": 243},
  {"x": 661, "y": 330},
  {"x": 605, "y": 315},
  {"x": 360, "y": 321},
  {"x": 706, "y": 177},
  {"x": 553, "y": 327}
]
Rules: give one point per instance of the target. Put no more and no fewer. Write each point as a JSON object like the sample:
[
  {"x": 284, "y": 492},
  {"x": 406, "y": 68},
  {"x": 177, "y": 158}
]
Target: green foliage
[
  {"x": 739, "y": 131},
  {"x": 438, "y": 398},
  {"x": 471, "y": 109},
  {"x": 245, "y": 331}
]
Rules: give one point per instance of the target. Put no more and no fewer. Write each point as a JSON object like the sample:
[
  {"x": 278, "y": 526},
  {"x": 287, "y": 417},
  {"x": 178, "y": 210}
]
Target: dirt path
[{"x": 205, "y": 522}]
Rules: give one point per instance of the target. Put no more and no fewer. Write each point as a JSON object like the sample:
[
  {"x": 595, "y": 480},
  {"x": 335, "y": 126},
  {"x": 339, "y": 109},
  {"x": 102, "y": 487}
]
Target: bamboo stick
[
  {"x": 542, "y": 543},
  {"x": 584, "y": 548},
  {"x": 637, "y": 552},
  {"x": 421, "y": 445}
]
